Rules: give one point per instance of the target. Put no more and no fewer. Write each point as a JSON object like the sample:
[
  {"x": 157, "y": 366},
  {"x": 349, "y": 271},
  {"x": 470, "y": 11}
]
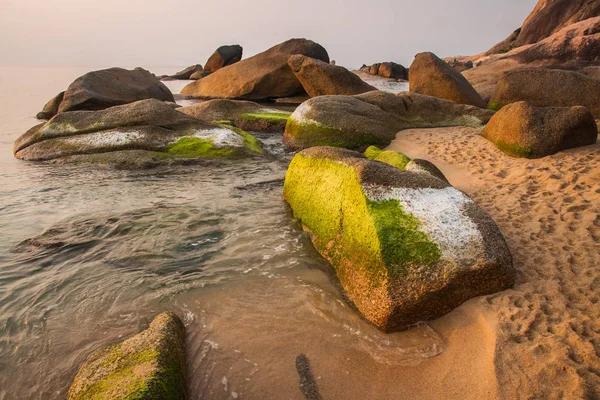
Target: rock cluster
[{"x": 387, "y": 70}]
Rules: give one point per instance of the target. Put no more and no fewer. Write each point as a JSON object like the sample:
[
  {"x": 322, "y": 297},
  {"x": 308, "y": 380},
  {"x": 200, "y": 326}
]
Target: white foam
[{"x": 442, "y": 216}]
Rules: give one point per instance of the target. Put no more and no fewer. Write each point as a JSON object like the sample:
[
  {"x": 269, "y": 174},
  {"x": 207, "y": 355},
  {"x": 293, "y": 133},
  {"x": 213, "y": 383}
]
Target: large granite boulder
[
  {"x": 392, "y": 70},
  {"x": 373, "y": 118},
  {"x": 319, "y": 78},
  {"x": 407, "y": 247},
  {"x": 547, "y": 18},
  {"x": 264, "y": 76},
  {"x": 51, "y": 107},
  {"x": 149, "y": 365},
  {"x": 247, "y": 115},
  {"x": 188, "y": 72},
  {"x": 548, "y": 88},
  {"x": 150, "y": 131},
  {"x": 98, "y": 90},
  {"x": 432, "y": 76},
  {"x": 222, "y": 57},
  {"x": 521, "y": 130}
]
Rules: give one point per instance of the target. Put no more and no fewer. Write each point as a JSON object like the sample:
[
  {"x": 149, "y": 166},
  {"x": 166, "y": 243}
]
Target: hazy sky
[{"x": 182, "y": 32}]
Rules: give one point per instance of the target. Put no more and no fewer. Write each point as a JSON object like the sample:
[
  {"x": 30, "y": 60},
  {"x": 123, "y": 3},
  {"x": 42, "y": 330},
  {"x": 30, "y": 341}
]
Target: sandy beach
[{"x": 545, "y": 332}]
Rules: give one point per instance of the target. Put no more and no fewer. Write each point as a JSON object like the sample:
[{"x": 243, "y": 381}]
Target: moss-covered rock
[
  {"x": 149, "y": 365},
  {"x": 247, "y": 115},
  {"x": 149, "y": 125},
  {"x": 373, "y": 118},
  {"x": 522, "y": 130},
  {"x": 406, "y": 246},
  {"x": 393, "y": 158}
]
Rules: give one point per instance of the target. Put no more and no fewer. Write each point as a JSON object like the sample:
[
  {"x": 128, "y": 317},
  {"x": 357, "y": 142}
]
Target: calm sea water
[{"x": 90, "y": 255}]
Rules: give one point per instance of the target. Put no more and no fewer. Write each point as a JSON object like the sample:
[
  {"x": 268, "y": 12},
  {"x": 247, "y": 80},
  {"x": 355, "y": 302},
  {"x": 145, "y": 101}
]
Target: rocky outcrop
[
  {"x": 460, "y": 66},
  {"x": 149, "y": 365},
  {"x": 152, "y": 131},
  {"x": 372, "y": 118},
  {"x": 548, "y": 17},
  {"x": 247, "y": 115},
  {"x": 264, "y": 76},
  {"x": 187, "y": 73},
  {"x": 106, "y": 88},
  {"x": 51, "y": 107},
  {"x": 521, "y": 130},
  {"x": 431, "y": 76},
  {"x": 319, "y": 78},
  {"x": 548, "y": 88},
  {"x": 197, "y": 75},
  {"x": 407, "y": 247},
  {"x": 386, "y": 70},
  {"x": 222, "y": 57}
]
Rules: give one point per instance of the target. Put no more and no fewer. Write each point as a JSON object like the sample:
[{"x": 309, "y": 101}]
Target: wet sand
[{"x": 543, "y": 337}]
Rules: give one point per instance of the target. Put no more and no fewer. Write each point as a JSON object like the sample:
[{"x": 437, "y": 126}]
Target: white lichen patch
[
  {"x": 300, "y": 115},
  {"x": 113, "y": 138},
  {"x": 270, "y": 111},
  {"x": 441, "y": 213},
  {"x": 221, "y": 137}
]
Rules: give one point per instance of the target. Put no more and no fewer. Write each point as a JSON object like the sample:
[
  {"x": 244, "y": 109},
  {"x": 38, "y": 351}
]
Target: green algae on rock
[
  {"x": 247, "y": 115},
  {"x": 406, "y": 246},
  {"x": 373, "y": 118},
  {"x": 150, "y": 126},
  {"x": 393, "y": 158},
  {"x": 149, "y": 365}
]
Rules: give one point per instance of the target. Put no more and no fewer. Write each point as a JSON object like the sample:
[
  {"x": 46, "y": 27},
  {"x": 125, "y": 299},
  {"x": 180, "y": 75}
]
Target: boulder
[
  {"x": 222, "y": 57},
  {"x": 431, "y": 76},
  {"x": 319, "y": 78},
  {"x": 197, "y": 75},
  {"x": 374, "y": 69},
  {"x": 247, "y": 115},
  {"x": 548, "y": 88},
  {"x": 51, "y": 107},
  {"x": 373, "y": 118},
  {"x": 425, "y": 167},
  {"x": 522, "y": 130},
  {"x": 264, "y": 76},
  {"x": 460, "y": 66},
  {"x": 392, "y": 70},
  {"x": 406, "y": 247},
  {"x": 392, "y": 158},
  {"x": 98, "y": 90},
  {"x": 149, "y": 127},
  {"x": 187, "y": 73},
  {"x": 149, "y": 365}
]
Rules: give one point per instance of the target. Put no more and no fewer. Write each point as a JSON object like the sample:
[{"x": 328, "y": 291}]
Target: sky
[{"x": 174, "y": 33}]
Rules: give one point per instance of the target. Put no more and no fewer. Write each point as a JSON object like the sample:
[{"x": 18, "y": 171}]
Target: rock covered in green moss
[
  {"x": 150, "y": 125},
  {"x": 425, "y": 167},
  {"x": 247, "y": 115},
  {"x": 406, "y": 246},
  {"x": 393, "y": 158},
  {"x": 149, "y": 365},
  {"x": 522, "y": 130},
  {"x": 373, "y": 118}
]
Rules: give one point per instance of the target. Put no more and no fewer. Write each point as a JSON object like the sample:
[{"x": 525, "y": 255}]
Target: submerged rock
[
  {"x": 432, "y": 76},
  {"x": 266, "y": 75},
  {"x": 244, "y": 114},
  {"x": 188, "y": 72},
  {"x": 521, "y": 130},
  {"x": 149, "y": 365},
  {"x": 407, "y": 247},
  {"x": 148, "y": 126},
  {"x": 106, "y": 88},
  {"x": 319, "y": 78},
  {"x": 373, "y": 118},
  {"x": 51, "y": 107},
  {"x": 548, "y": 88},
  {"x": 222, "y": 57}
]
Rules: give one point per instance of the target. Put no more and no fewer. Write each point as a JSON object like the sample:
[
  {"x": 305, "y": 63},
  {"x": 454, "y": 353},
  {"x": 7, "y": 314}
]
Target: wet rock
[
  {"x": 149, "y": 365},
  {"x": 264, "y": 76},
  {"x": 521, "y": 130},
  {"x": 392, "y": 70},
  {"x": 548, "y": 88},
  {"x": 187, "y": 73},
  {"x": 319, "y": 78},
  {"x": 431, "y": 76},
  {"x": 407, "y": 247},
  {"x": 106, "y": 88},
  {"x": 149, "y": 127},
  {"x": 244, "y": 114},
  {"x": 51, "y": 107},
  {"x": 372, "y": 118},
  {"x": 222, "y": 57}
]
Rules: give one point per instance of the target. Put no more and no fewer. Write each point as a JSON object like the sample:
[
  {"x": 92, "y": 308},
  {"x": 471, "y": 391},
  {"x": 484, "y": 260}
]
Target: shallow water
[{"x": 90, "y": 255}]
